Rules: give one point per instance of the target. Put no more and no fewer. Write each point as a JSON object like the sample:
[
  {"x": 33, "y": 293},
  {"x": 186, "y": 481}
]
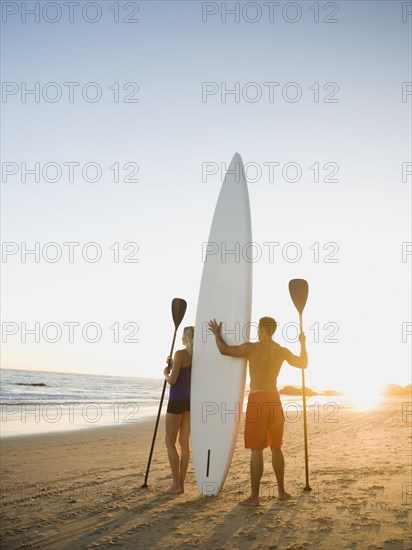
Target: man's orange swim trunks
[{"x": 264, "y": 421}]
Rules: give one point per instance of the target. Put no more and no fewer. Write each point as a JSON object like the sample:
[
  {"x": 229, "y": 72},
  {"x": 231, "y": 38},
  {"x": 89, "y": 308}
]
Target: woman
[{"x": 178, "y": 411}]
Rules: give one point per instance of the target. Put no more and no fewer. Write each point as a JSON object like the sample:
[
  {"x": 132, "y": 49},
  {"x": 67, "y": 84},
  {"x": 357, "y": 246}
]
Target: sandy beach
[{"x": 82, "y": 489}]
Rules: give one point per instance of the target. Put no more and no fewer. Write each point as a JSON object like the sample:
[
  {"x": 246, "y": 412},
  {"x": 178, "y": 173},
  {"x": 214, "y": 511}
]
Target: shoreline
[
  {"x": 82, "y": 489},
  {"x": 37, "y": 425},
  {"x": 42, "y": 417},
  {"x": 77, "y": 429}
]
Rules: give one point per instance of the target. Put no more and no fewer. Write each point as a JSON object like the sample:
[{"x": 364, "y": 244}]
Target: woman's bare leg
[
  {"x": 172, "y": 428},
  {"x": 184, "y": 447}
]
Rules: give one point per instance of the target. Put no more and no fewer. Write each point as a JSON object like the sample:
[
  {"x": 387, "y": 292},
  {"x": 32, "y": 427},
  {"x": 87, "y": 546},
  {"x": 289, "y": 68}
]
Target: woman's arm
[{"x": 171, "y": 377}]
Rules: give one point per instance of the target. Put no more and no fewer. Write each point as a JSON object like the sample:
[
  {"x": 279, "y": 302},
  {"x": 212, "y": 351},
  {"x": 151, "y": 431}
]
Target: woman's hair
[{"x": 188, "y": 335}]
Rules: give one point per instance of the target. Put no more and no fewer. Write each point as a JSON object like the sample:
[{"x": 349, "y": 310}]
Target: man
[{"x": 264, "y": 414}]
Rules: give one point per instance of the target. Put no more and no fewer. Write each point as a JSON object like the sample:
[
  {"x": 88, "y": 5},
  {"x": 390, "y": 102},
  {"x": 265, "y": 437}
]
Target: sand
[{"x": 82, "y": 489}]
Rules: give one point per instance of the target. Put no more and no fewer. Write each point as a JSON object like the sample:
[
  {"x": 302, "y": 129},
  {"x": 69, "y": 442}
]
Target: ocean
[
  {"x": 33, "y": 402},
  {"x": 40, "y": 402}
]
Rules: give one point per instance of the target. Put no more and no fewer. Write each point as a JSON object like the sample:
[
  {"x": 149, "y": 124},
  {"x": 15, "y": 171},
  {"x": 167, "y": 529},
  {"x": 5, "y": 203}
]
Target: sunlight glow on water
[{"x": 364, "y": 401}]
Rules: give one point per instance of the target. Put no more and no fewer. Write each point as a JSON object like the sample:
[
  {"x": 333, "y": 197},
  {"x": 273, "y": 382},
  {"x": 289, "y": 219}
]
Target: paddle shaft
[
  {"x": 305, "y": 428},
  {"x": 158, "y": 417}
]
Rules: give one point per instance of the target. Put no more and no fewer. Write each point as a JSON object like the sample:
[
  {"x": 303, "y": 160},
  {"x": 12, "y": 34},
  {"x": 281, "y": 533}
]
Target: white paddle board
[{"x": 218, "y": 382}]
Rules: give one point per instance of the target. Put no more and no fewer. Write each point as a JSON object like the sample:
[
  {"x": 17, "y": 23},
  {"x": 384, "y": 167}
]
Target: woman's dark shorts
[{"x": 179, "y": 406}]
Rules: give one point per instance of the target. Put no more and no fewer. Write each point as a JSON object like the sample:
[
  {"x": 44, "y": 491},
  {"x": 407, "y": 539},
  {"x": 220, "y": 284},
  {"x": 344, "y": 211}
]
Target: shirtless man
[{"x": 264, "y": 414}]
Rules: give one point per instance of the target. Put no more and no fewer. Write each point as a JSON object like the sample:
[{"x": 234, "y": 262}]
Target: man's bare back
[
  {"x": 265, "y": 357},
  {"x": 265, "y": 361}
]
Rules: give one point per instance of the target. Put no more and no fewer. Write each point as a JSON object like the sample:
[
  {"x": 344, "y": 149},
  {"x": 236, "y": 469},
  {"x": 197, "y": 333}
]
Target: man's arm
[
  {"x": 301, "y": 362},
  {"x": 225, "y": 349}
]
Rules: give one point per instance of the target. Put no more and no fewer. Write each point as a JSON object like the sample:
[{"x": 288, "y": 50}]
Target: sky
[{"x": 120, "y": 150}]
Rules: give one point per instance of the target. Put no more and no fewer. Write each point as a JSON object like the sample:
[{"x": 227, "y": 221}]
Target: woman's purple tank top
[{"x": 181, "y": 388}]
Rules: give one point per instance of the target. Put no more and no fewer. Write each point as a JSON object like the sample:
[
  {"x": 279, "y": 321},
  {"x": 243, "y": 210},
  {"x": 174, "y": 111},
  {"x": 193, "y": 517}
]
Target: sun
[{"x": 364, "y": 397}]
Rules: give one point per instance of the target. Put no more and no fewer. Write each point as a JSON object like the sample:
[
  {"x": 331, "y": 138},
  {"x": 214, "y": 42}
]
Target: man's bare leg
[
  {"x": 278, "y": 463},
  {"x": 256, "y": 471}
]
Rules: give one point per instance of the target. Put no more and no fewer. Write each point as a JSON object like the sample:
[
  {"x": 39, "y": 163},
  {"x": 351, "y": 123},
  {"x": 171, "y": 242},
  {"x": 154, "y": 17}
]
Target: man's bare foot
[
  {"x": 284, "y": 495},
  {"x": 250, "y": 501},
  {"x": 174, "y": 490}
]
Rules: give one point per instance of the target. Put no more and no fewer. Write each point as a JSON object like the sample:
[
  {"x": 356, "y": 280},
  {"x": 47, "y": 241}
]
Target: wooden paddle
[
  {"x": 299, "y": 289},
  {"x": 178, "y": 312}
]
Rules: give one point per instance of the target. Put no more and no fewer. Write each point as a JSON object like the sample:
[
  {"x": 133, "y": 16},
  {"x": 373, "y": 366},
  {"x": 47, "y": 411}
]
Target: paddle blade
[
  {"x": 299, "y": 289},
  {"x": 178, "y": 310}
]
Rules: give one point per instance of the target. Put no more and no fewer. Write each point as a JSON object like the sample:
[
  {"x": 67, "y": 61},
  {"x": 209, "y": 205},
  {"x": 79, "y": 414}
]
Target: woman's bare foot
[
  {"x": 250, "y": 501},
  {"x": 174, "y": 490},
  {"x": 284, "y": 495}
]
